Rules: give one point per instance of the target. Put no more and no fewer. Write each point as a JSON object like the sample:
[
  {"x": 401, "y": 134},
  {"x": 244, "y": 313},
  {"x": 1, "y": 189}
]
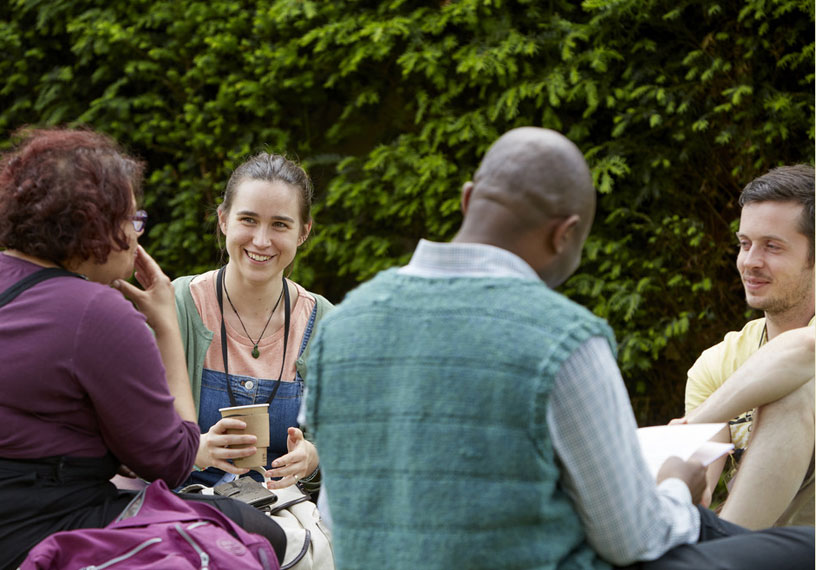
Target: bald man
[{"x": 468, "y": 416}]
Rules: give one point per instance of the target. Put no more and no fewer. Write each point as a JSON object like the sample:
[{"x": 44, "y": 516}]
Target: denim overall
[{"x": 283, "y": 410}]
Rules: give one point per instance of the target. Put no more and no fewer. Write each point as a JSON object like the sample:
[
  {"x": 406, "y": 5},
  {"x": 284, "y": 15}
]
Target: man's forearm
[
  {"x": 774, "y": 371},
  {"x": 625, "y": 515}
]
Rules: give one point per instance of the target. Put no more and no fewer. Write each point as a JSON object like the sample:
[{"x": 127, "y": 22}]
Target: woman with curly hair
[{"x": 87, "y": 387}]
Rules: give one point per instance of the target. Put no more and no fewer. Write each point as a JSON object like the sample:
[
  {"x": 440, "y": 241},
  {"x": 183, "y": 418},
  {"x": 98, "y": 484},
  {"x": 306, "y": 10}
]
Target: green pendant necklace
[{"x": 255, "y": 352}]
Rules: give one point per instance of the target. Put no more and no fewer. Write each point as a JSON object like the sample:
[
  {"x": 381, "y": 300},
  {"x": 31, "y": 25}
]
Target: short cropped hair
[
  {"x": 786, "y": 184},
  {"x": 65, "y": 193}
]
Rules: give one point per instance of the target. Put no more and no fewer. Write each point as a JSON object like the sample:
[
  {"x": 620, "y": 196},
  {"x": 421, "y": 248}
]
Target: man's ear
[
  {"x": 562, "y": 232},
  {"x": 467, "y": 189}
]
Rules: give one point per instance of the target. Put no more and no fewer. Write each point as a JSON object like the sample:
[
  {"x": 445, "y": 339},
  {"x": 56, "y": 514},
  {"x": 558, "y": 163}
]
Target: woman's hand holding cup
[{"x": 217, "y": 446}]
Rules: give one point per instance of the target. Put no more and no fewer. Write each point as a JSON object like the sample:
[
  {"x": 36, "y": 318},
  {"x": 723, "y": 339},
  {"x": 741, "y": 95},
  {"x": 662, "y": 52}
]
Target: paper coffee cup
[{"x": 256, "y": 418}]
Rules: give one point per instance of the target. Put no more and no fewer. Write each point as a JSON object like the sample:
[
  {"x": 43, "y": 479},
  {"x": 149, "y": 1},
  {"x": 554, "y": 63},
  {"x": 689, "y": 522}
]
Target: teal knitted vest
[{"x": 427, "y": 401}]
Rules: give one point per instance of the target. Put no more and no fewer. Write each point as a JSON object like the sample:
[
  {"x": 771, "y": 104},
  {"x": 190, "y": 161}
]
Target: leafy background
[{"x": 390, "y": 104}]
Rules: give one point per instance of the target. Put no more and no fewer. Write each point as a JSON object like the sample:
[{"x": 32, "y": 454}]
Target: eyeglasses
[{"x": 139, "y": 220}]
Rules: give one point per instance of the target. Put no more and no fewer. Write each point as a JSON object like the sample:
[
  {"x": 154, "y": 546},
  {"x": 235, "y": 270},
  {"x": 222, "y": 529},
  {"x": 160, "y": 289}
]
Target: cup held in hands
[{"x": 256, "y": 418}]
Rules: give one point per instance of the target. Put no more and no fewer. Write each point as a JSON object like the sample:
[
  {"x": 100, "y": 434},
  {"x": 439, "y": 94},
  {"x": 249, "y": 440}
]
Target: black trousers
[
  {"x": 44, "y": 496},
  {"x": 726, "y": 546}
]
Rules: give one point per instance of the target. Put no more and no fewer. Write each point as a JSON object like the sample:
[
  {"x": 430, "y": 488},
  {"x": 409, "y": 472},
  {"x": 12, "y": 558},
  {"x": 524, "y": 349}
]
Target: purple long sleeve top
[{"x": 81, "y": 375}]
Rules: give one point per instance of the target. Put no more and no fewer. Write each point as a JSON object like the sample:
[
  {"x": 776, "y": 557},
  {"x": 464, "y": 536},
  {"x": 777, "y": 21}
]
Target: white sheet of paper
[
  {"x": 658, "y": 443},
  {"x": 711, "y": 451}
]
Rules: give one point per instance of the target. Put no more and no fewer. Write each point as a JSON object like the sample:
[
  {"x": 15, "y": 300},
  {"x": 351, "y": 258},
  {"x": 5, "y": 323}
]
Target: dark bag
[{"x": 156, "y": 530}]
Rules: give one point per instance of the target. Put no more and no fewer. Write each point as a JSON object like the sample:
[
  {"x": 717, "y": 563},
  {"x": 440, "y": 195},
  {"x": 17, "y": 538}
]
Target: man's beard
[{"x": 786, "y": 301}]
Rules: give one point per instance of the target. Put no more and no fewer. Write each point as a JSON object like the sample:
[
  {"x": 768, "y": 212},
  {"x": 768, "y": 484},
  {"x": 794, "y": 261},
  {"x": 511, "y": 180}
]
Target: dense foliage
[{"x": 390, "y": 104}]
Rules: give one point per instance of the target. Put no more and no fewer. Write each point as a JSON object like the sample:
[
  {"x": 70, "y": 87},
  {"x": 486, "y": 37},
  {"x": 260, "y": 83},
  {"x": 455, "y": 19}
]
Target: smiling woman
[{"x": 247, "y": 328}]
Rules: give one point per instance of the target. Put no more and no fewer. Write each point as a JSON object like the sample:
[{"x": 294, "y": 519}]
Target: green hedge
[{"x": 390, "y": 104}]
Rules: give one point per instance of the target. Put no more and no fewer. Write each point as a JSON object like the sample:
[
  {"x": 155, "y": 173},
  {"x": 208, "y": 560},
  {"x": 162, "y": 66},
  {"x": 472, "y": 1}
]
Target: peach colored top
[{"x": 241, "y": 362}]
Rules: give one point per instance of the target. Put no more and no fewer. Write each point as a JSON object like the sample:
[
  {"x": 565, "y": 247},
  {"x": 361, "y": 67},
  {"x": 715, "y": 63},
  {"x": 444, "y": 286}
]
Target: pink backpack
[{"x": 157, "y": 530}]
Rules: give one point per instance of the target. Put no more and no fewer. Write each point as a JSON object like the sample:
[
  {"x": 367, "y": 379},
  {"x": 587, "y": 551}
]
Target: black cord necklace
[
  {"x": 255, "y": 352},
  {"x": 219, "y": 280}
]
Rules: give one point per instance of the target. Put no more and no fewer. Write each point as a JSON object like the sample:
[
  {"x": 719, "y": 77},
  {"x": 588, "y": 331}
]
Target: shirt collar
[{"x": 433, "y": 259}]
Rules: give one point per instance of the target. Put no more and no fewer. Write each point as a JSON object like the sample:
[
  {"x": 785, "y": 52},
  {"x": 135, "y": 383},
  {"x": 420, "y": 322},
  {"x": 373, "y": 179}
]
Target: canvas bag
[
  {"x": 156, "y": 530},
  {"x": 308, "y": 540},
  {"x": 299, "y": 518}
]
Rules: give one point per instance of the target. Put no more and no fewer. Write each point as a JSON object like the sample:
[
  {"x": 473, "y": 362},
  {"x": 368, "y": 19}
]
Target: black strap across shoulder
[{"x": 29, "y": 281}]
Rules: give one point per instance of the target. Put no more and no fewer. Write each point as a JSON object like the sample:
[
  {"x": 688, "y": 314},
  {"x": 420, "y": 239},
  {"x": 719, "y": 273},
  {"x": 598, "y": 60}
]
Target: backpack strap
[{"x": 29, "y": 281}]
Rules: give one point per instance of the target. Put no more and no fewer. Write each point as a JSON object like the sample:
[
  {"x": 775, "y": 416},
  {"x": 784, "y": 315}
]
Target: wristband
[{"x": 311, "y": 476}]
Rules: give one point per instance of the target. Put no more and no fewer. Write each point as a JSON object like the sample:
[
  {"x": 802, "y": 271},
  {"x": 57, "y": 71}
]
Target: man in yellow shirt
[{"x": 768, "y": 400}]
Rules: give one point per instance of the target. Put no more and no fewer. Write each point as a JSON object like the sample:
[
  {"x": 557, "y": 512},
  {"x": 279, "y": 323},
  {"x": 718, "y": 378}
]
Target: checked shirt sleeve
[{"x": 625, "y": 515}]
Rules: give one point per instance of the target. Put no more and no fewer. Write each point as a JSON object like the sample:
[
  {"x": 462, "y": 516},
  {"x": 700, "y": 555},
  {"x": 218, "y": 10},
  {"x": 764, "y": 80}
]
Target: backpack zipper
[
  {"x": 125, "y": 556},
  {"x": 264, "y": 560},
  {"x": 205, "y": 558},
  {"x": 261, "y": 554}
]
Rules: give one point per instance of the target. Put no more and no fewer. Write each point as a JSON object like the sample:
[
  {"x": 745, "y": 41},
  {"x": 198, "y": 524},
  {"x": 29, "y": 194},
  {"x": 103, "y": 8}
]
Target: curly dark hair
[{"x": 64, "y": 194}]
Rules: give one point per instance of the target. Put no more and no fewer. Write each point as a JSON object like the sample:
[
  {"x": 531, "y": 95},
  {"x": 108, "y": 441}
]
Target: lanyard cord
[{"x": 219, "y": 285}]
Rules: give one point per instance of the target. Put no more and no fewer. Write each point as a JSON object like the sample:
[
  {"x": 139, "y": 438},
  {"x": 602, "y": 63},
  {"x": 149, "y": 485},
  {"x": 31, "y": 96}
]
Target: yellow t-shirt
[
  {"x": 716, "y": 364},
  {"x": 712, "y": 369}
]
